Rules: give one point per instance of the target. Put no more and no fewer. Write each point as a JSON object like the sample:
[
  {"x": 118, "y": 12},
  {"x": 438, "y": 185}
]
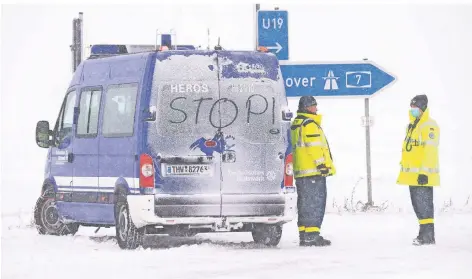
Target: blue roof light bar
[{"x": 102, "y": 50}]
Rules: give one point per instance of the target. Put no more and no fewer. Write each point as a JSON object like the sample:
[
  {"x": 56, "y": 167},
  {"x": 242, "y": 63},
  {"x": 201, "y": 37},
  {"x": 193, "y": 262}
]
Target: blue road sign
[
  {"x": 272, "y": 32},
  {"x": 352, "y": 79}
]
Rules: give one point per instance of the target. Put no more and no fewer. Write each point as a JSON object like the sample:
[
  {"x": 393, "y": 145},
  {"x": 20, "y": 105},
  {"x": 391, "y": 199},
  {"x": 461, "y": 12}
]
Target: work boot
[
  {"x": 315, "y": 239},
  {"x": 301, "y": 236},
  {"x": 425, "y": 236}
]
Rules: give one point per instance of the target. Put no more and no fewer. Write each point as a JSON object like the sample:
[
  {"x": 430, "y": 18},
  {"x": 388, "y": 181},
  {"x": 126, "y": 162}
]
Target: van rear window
[
  {"x": 186, "y": 107},
  {"x": 245, "y": 109},
  {"x": 254, "y": 111}
]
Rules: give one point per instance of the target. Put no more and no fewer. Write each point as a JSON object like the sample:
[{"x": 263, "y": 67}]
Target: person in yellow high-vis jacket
[
  {"x": 420, "y": 166},
  {"x": 312, "y": 163}
]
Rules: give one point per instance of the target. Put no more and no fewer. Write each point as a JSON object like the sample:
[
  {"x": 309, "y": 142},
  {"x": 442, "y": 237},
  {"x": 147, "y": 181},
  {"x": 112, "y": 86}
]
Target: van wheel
[
  {"x": 269, "y": 235},
  {"x": 127, "y": 235},
  {"x": 46, "y": 216}
]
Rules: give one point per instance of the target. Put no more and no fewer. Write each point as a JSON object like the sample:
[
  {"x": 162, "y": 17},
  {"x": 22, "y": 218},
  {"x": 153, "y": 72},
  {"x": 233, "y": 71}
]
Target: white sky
[{"x": 428, "y": 47}]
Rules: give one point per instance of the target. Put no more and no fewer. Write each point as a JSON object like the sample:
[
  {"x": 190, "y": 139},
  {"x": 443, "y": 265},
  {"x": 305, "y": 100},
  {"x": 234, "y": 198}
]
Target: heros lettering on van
[
  {"x": 250, "y": 110},
  {"x": 189, "y": 88},
  {"x": 242, "y": 88}
]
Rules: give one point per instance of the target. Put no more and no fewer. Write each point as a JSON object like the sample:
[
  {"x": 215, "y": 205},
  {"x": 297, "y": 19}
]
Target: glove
[
  {"x": 422, "y": 179},
  {"x": 323, "y": 169}
]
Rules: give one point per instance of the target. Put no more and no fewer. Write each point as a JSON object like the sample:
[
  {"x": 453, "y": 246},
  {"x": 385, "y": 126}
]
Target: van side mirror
[
  {"x": 151, "y": 114},
  {"x": 42, "y": 134},
  {"x": 287, "y": 115}
]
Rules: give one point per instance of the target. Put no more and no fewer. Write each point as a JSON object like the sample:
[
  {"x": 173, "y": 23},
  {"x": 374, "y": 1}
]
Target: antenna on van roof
[
  {"x": 208, "y": 33},
  {"x": 218, "y": 47}
]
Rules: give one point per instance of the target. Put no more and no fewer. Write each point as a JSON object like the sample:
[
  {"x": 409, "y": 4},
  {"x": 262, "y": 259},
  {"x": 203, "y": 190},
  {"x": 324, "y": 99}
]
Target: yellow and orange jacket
[{"x": 420, "y": 152}]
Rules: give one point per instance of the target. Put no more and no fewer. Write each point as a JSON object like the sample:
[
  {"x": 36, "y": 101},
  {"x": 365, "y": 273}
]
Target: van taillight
[
  {"x": 146, "y": 171},
  {"x": 288, "y": 175}
]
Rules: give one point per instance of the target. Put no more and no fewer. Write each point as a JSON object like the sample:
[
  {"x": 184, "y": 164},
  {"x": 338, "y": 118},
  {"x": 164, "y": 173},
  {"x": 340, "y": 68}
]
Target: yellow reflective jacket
[
  {"x": 309, "y": 145},
  {"x": 420, "y": 152}
]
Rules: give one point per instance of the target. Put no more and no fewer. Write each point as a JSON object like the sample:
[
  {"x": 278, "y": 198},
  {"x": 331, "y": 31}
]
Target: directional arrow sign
[
  {"x": 277, "y": 48},
  {"x": 272, "y": 32},
  {"x": 348, "y": 79}
]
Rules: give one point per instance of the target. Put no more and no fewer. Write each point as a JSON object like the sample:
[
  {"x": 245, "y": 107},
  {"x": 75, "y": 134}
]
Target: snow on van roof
[
  {"x": 197, "y": 65},
  {"x": 173, "y": 65}
]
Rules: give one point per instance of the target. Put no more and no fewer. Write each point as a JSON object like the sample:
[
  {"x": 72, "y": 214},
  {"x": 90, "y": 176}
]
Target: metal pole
[
  {"x": 74, "y": 45},
  {"x": 77, "y": 41},
  {"x": 172, "y": 31},
  {"x": 256, "y": 42},
  {"x": 81, "y": 16},
  {"x": 157, "y": 36},
  {"x": 208, "y": 33},
  {"x": 81, "y": 39},
  {"x": 367, "y": 136}
]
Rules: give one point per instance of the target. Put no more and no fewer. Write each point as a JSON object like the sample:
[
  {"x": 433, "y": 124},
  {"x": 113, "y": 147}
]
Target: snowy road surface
[{"x": 367, "y": 245}]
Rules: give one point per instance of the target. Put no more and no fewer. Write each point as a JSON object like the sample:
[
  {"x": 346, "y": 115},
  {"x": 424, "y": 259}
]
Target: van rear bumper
[{"x": 141, "y": 208}]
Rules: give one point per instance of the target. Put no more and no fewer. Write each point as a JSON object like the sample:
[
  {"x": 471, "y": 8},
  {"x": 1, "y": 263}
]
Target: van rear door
[
  {"x": 184, "y": 138},
  {"x": 252, "y": 168}
]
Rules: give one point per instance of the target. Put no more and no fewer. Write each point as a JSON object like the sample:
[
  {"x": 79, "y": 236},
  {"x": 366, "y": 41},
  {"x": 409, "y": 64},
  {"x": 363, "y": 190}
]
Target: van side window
[
  {"x": 120, "y": 107},
  {"x": 89, "y": 108},
  {"x": 66, "y": 117}
]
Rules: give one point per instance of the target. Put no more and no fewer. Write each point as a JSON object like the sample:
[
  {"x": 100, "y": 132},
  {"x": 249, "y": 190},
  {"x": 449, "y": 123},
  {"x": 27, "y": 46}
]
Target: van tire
[
  {"x": 46, "y": 217},
  {"x": 128, "y": 236},
  {"x": 269, "y": 235}
]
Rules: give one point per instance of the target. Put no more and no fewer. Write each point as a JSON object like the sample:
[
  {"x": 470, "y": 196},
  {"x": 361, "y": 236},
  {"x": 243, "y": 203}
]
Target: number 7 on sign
[{"x": 359, "y": 79}]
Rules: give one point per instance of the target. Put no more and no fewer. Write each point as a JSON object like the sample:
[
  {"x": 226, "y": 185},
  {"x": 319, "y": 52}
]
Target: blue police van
[{"x": 175, "y": 142}]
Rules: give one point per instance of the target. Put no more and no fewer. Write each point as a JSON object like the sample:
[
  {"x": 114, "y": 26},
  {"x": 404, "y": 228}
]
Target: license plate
[{"x": 187, "y": 170}]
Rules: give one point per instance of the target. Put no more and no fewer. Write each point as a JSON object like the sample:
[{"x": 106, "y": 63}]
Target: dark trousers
[
  {"x": 422, "y": 201},
  {"x": 311, "y": 203}
]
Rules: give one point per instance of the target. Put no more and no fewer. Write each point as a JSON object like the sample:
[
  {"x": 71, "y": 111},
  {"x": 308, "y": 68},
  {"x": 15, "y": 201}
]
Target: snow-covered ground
[{"x": 365, "y": 245}]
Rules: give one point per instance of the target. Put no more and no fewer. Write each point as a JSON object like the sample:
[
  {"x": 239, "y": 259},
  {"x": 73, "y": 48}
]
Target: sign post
[
  {"x": 256, "y": 37},
  {"x": 367, "y": 150}
]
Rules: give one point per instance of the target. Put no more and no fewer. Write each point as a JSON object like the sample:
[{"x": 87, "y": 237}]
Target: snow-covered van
[{"x": 172, "y": 142}]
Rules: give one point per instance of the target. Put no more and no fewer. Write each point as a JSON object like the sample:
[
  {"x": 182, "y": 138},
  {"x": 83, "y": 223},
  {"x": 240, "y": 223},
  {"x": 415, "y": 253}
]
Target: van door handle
[
  {"x": 70, "y": 157},
  {"x": 281, "y": 156}
]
